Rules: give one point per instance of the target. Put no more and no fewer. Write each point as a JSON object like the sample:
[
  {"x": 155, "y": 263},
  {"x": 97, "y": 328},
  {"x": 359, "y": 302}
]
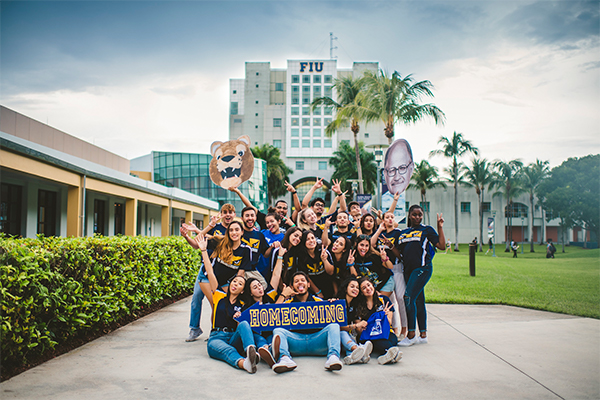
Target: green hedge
[{"x": 53, "y": 289}]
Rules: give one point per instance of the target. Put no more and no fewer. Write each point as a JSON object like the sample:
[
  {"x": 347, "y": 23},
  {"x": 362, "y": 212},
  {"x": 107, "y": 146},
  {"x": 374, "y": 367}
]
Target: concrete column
[
  {"x": 189, "y": 216},
  {"x": 74, "y": 211},
  {"x": 165, "y": 219},
  {"x": 206, "y": 220},
  {"x": 131, "y": 206}
]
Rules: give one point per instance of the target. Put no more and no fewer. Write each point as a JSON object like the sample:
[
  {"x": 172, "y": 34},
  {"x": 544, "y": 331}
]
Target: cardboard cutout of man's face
[{"x": 398, "y": 167}]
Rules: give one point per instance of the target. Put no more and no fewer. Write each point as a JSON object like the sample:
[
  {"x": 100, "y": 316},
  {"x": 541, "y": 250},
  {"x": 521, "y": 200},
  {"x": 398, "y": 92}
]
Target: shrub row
[{"x": 54, "y": 289}]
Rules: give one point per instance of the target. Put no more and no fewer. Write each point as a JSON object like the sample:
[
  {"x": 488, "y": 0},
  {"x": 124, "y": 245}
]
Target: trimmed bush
[{"x": 54, "y": 289}]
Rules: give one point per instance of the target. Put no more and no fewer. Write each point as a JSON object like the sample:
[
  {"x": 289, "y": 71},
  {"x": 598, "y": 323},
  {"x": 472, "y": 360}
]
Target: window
[
  {"x": 305, "y": 132},
  {"x": 317, "y": 132},
  {"x": 305, "y": 143},
  {"x": 279, "y": 87},
  {"x": 295, "y": 143},
  {"x": 328, "y": 111},
  {"x": 295, "y": 99},
  {"x": 295, "y": 121},
  {"x": 295, "y": 132},
  {"x": 406, "y": 206},
  {"x": 317, "y": 111},
  {"x": 295, "y": 79},
  {"x": 257, "y": 74},
  {"x": 317, "y": 91},
  {"x": 305, "y": 121},
  {"x": 306, "y": 89},
  {"x": 327, "y": 79},
  {"x": 322, "y": 165},
  {"x": 305, "y": 78},
  {"x": 316, "y": 78},
  {"x": 327, "y": 143},
  {"x": 99, "y": 207},
  {"x": 295, "y": 89},
  {"x": 237, "y": 121},
  {"x": 120, "y": 219},
  {"x": 256, "y": 102},
  {"x": 256, "y": 127},
  {"x": 277, "y": 143},
  {"x": 234, "y": 108},
  {"x": 316, "y": 121},
  {"x": 46, "y": 221},
  {"x": 256, "y": 114},
  {"x": 306, "y": 99},
  {"x": 276, "y": 122},
  {"x": 295, "y": 110},
  {"x": 257, "y": 85},
  {"x": 234, "y": 92},
  {"x": 327, "y": 121},
  {"x": 465, "y": 207},
  {"x": 305, "y": 110},
  {"x": 366, "y": 135},
  {"x": 425, "y": 206},
  {"x": 328, "y": 91},
  {"x": 317, "y": 143},
  {"x": 10, "y": 209},
  {"x": 299, "y": 165},
  {"x": 346, "y": 141},
  {"x": 486, "y": 206}
]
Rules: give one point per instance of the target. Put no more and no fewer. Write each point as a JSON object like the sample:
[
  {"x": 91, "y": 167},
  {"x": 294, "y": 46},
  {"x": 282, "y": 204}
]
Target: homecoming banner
[{"x": 296, "y": 316}]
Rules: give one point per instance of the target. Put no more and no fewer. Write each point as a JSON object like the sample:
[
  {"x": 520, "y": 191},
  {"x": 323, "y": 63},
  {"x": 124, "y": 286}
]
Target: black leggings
[{"x": 382, "y": 345}]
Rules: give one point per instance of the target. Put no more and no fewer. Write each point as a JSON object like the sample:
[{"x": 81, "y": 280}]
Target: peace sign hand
[
  {"x": 324, "y": 254},
  {"x": 351, "y": 256}
]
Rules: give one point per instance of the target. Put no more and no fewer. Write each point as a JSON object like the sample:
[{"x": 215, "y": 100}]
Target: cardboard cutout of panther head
[{"x": 232, "y": 162}]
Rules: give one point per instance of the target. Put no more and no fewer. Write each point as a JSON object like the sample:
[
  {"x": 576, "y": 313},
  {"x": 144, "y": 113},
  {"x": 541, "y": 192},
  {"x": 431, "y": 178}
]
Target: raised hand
[
  {"x": 397, "y": 196},
  {"x": 214, "y": 220},
  {"x": 328, "y": 223},
  {"x": 190, "y": 226},
  {"x": 319, "y": 183},
  {"x": 440, "y": 219},
  {"x": 289, "y": 187},
  {"x": 282, "y": 250},
  {"x": 324, "y": 254},
  {"x": 288, "y": 291},
  {"x": 387, "y": 309},
  {"x": 351, "y": 257},
  {"x": 336, "y": 187},
  {"x": 202, "y": 242}
]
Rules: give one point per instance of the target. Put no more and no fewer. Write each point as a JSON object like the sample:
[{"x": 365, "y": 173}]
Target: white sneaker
[
  {"x": 389, "y": 356},
  {"x": 368, "y": 349},
  {"x": 357, "y": 354},
  {"x": 398, "y": 356},
  {"x": 408, "y": 342},
  {"x": 284, "y": 365},
  {"x": 333, "y": 363},
  {"x": 251, "y": 359},
  {"x": 194, "y": 334},
  {"x": 422, "y": 340}
]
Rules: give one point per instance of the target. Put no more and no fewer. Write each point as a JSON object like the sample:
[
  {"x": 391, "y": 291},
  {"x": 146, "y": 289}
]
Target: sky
[{"x": 519, "y": 79}]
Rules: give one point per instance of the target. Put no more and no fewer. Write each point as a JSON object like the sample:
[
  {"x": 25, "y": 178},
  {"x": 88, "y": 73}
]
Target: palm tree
[
  {"x": 531, "y": 177},
  {"x": 393, "y": 99},
  {"x": 425, "y": 176},
  {"x": 347, "y": 89},
  {"x": 479, "y": 175},
  {"x": 277, "y": 171},
  {"x": 506, "y": 179},
  {"x": 454, "y": 148},
  {"x": 344, "y": 162}
]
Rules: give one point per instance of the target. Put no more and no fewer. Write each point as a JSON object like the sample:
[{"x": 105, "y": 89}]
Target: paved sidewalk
[{"x": 474, "y": 352}]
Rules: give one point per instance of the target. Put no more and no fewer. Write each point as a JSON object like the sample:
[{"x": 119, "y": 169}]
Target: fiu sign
[
  {"x": 313, "y": 66},
  {"x": 308, "y": 315}
]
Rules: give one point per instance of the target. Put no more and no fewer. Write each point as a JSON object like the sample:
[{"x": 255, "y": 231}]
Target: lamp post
[
  {"x": 522, "y": 233},
  {"x": 354, "y": 183},
  {"x": 494, "y": 241},
  {"x": 378, "y": 152}
]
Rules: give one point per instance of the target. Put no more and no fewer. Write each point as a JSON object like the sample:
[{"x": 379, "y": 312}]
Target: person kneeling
[{"x": 307, "y": 342}]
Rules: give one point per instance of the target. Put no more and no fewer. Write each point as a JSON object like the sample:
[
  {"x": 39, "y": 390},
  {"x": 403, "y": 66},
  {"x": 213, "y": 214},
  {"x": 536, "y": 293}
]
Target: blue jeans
[
  {"x": 326, "y": 341},
  {"x": 414, "y": 298},
  {"x": 197, "y": 298},
  {"x": 347, "y": 341},
  {"x": 227, "y": 346}
]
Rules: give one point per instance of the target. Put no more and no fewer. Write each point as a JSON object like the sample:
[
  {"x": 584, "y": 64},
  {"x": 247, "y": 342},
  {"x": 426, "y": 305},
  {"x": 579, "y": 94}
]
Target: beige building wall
[{"x": 21, "y": 126}]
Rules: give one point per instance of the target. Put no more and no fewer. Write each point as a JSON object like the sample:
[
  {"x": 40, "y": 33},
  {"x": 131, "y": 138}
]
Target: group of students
[{"x": 310, "y": 256}]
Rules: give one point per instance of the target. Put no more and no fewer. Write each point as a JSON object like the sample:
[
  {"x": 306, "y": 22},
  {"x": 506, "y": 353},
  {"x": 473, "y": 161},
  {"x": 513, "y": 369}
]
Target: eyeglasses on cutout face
[{"x": 400, "y": 170}]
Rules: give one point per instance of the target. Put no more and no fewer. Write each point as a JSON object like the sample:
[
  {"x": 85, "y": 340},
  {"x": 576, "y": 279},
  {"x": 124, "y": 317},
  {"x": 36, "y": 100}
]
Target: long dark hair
[
  {"x": 362, "y": 223},
  {"x": 361, "y": 301},
  {"x": 286, "y": 239},
  {"x": 343, "y": 289},
  {"x": 341, "y": 264},
  {"x": 359, "y": 239},
  {"x": 318, "y": 247},
  {"x": 248, "y": 299}
]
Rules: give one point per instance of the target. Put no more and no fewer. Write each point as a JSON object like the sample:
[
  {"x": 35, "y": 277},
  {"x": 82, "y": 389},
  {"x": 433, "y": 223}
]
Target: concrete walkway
[{"x": 474, "y": 352}]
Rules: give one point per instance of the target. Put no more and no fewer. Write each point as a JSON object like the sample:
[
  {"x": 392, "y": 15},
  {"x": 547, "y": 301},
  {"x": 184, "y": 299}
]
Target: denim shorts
[
  {"x": 389, "y": 286},
  {"x": 202, "y": 278}
]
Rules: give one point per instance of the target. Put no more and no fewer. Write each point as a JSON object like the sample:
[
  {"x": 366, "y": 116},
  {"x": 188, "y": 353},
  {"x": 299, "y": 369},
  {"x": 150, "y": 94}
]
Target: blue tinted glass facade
[{"x": 189, "y": 172}]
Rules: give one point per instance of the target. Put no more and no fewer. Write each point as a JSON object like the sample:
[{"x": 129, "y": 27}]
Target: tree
[
  {"x": 572, "y": 192},
  {"x": 478, "y": 176},
  {"x": 277, "y": 171},
  {"x": 531, "y": 177},
  {"x": 347, "y": 90},
  {"x": 425, "y": 177},
  {"x": 344, "y": 162},
  {"x": 506, "y": 179},
  {"x": 454, "y": 148},
  {"x": 393, "y": 99}
]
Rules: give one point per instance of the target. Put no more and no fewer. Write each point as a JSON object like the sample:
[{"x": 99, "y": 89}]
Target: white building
[{"x": 273, "y": 106}]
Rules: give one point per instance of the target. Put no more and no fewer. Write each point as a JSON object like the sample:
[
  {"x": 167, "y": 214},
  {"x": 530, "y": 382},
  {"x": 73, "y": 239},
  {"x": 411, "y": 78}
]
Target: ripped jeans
[{"x": 414, "y": 297}]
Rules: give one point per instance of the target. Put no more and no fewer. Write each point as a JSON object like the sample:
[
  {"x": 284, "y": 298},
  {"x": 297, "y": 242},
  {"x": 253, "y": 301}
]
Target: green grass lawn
[{"x": 569, "y": 283}]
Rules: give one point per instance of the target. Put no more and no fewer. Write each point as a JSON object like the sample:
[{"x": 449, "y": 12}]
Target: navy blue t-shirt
[
  {"x": 415, "y": 246},
  {"x": 257, "y": 243},
  {"x": 371, "y": 267}
]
